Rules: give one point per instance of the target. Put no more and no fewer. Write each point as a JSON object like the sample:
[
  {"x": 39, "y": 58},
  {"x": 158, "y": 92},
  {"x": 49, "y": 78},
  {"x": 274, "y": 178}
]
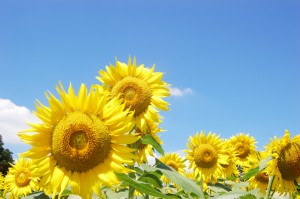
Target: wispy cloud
[
  {"x": 13, "y": 118},
  {"x": 177, "y": 92}
]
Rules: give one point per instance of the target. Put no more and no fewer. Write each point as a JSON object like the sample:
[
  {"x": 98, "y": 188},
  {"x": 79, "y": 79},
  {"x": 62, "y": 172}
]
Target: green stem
[
  {"x": 271, "y": 180},
  {"x": 132, "y": 175},
  {"x": 131, "y": 188}
]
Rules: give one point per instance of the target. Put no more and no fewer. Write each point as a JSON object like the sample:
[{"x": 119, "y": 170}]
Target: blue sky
[{"x": 237, "y": 61}]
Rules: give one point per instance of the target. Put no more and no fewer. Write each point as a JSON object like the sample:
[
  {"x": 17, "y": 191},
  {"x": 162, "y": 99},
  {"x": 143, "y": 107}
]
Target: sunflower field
[{"x": 96, "y": 143}]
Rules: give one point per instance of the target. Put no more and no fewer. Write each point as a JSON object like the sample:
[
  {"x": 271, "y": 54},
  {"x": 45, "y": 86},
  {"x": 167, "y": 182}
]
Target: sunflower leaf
[
  {"x": 252, "y": 172},
  {"x": 144, "y": 187},
  {"x": 186, "y": 184},
  {"x": 122, "y": 194},
  {"x": 138, "y": 170},
  {"x": 66, "y": 192},
  {"x": 220, "y": 186},
  {"x": 148, "y": 139},
  {"x": 151, "y": 179},
  {"x": 238, "y": 193}
]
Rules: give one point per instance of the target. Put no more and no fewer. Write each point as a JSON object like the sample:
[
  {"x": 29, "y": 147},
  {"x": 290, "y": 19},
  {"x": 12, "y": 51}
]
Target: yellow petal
[{"x": 124, "y": 139}]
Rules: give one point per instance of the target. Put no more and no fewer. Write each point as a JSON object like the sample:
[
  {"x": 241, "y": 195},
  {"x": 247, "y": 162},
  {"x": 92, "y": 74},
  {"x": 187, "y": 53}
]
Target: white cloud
[
  {"x": 14, "y": 118},
  {"x": 177, "y": 92}
]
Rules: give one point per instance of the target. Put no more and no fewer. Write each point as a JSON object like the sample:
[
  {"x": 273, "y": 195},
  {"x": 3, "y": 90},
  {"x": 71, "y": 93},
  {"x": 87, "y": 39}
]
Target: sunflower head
[
  {"x": 22, "y": 178},
  {"x": 174, "y": 161},
  {"x": 285, "y": 163},
  {"x": 206, "y": 155},
  {"x": 230, "y": 168},
  {"x": 245, "y": 147},
  {"x": 135, "y": 92},
  {"x": 82, "y": 140},
  {"x": 140, "y": 88}
]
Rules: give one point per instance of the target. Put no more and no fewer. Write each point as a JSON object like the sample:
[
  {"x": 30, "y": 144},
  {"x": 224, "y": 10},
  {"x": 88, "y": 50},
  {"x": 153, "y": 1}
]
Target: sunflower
[
  {"x": 141, "y": 88},
  {"x": 81, "y": 140},
  {"x": 174, "y": 161},
  {"x": 206, "y": 154},
  {"x": 285, "y": 163},
  {"x": 146, "y": 150},
  {"x": 245, "y": 148},
  {"x": 230, "y": 168},
  {"x": 22, "y": 178},
  {"x": 260, "y": 180}
]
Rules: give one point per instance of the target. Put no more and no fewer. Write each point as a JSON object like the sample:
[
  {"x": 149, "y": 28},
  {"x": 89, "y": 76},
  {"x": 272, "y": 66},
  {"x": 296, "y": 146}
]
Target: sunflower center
[
  {"x": 242, "y": 150},
  {"x": 205, "y": 156},
  {"x": 22, "y": 178},
  {"x": 135, "y": 92},
  {"x": 80, "y": 142},
  {"x": 289, "y": 161},
  {"x": 262, "y": 177},
  {"x": 129, "y": 94},
  {"x": 172, "y": 164}
]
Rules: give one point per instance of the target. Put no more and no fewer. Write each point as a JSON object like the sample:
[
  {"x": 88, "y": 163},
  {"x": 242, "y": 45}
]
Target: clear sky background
[{"x": 234, "y": 65}]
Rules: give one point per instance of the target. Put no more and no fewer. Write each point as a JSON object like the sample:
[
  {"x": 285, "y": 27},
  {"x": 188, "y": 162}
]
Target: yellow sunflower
[
  {"x": 206, "y": 154},
  {"x": 245, "y": 148},
  {"x": 230, "y": 168},
  {"x": 22, "y": 178},
  {"x": 260, "y": 180},
  {"x": 174, "y": 161},
  {"x": 145, "y": 150},
  {"x": 141, "y": 88},
  {"x": 285, "y": 163},
  {"x": 81, "y": 140}
]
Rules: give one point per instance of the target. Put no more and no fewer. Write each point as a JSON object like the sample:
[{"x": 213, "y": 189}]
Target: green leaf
[
  {"x": 115, "y": 195},
  {"x": 186, "y": 184},
  {"x": 248, "y": 196},
  {"x": 220, "y": 185},
  {"x": 151, "y": 179},
  {"x": 143, "y": 187},
  {"x": 148, "y": 139},
  {"x": 258, "y": 169},
  {"x": 66, "y": 192},
  {"x": 252, "y": 172},
  {"x": 138, "y": 170},
  {"x": 240, "y": 185},
  {"x": 239, "y": 192},
  {"x": 232, "y": 178},
  {"x": 231, "y": 194}
]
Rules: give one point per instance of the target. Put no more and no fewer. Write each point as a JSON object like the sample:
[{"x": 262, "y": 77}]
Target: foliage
[{"x": 5, "y": 158}]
